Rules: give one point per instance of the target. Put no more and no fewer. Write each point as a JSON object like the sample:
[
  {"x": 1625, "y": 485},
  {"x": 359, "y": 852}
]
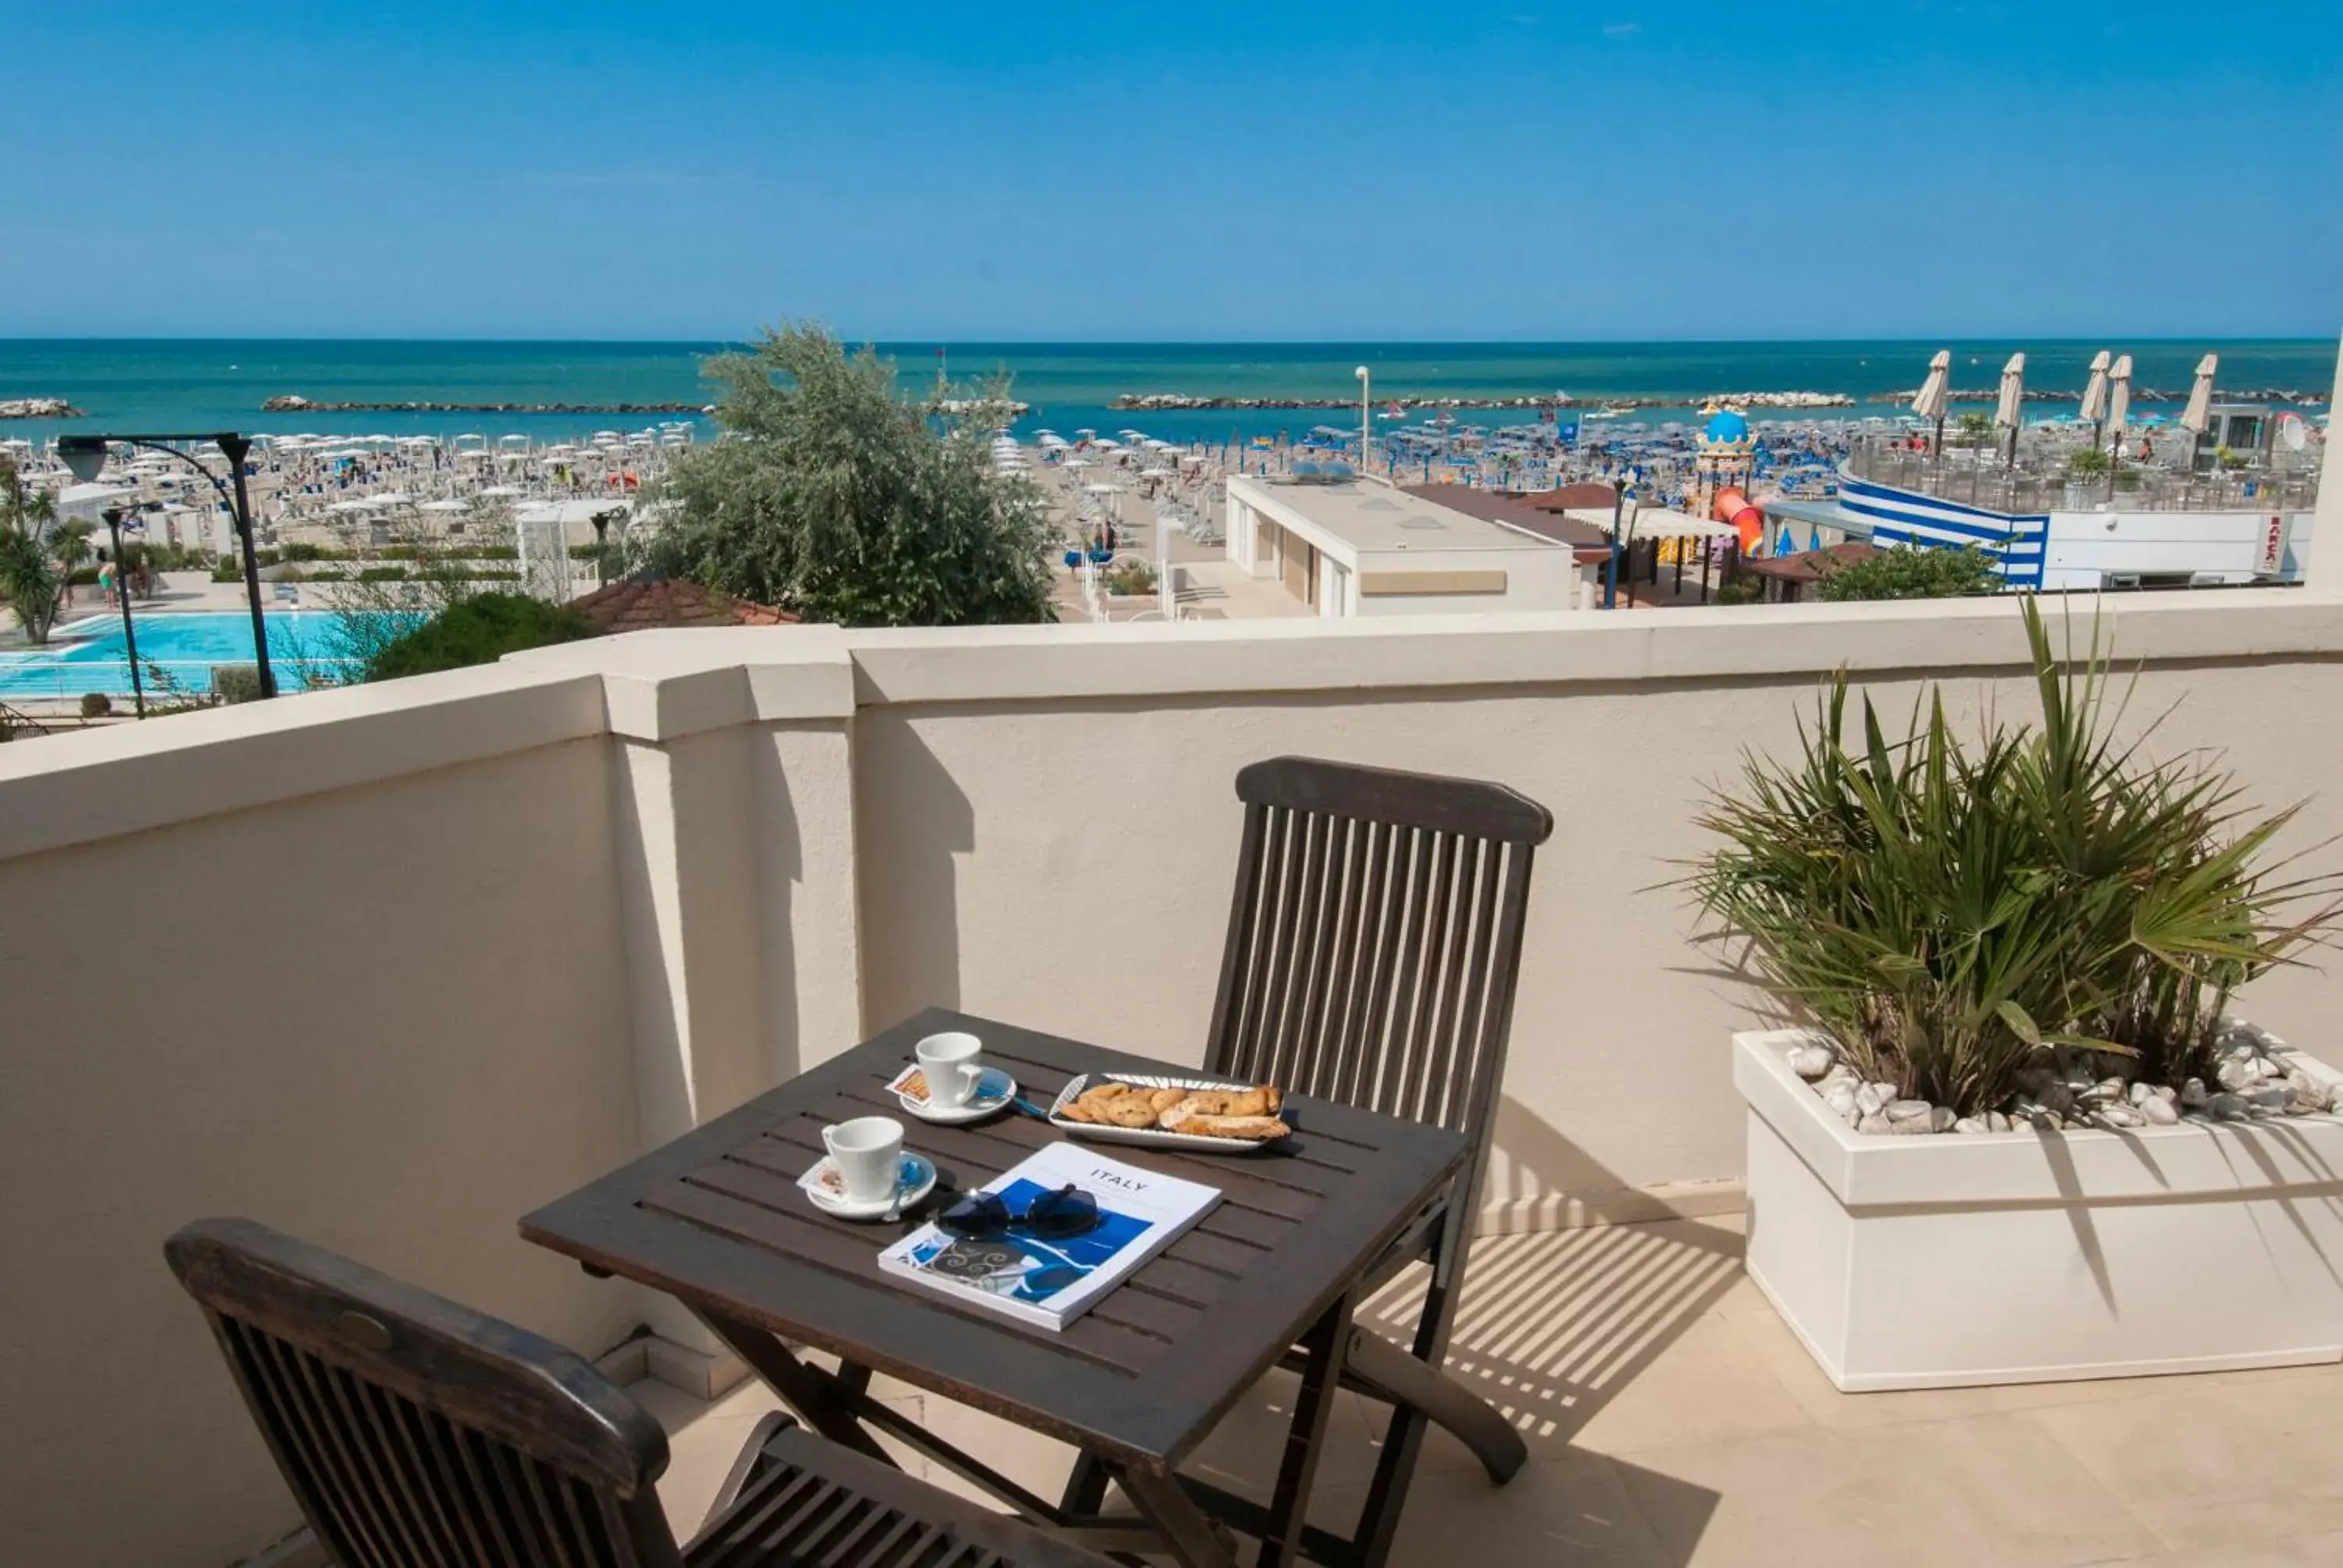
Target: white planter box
[{"x": 2021, "y": 1256}]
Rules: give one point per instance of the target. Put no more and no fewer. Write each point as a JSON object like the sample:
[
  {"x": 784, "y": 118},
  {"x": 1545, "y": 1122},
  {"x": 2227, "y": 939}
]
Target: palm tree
[
  {"x": 70, "y": 547},
  {"x": 29, "y": 577}
]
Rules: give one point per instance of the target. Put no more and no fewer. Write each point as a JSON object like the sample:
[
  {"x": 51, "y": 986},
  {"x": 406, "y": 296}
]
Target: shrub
[
  {"x": 1743, "y": 588},
  {"x": 228, "y": 570},
  {"x": 1131, "y": 578},
  {"x": 2089, "y": 463},
  {"x": 96, "y": 705},
  {"x": 1955, "y": 914},
  {"x": 480, "y": 629},
  {"x": 235, "y": 682},
  {"x": 382, "y": 574},
  {"x": 1912, "y": 571},
  {"x": 83, "y": 576},
  {"x": 330, "y": 575}
]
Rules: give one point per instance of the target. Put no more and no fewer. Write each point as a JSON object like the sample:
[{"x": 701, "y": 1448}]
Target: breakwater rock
[
  {"x": 38, "y": 408},
  {"x": 1142, "y": 402},
  {"x": 291, "y": 404}
]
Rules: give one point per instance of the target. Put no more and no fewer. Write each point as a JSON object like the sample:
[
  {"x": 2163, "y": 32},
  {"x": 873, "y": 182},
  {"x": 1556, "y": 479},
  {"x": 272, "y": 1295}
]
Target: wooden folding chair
[
  {"x": 417, "y": 1433},
  {"x": 1375, "y": 943}
]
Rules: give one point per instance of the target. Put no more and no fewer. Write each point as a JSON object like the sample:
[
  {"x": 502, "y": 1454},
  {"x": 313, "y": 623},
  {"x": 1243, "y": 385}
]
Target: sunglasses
[{"x": 1068, "y": 1212}]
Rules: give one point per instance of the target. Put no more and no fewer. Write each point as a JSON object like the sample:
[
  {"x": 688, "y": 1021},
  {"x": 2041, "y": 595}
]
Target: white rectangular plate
[{"x": 1152, "y": 1137}]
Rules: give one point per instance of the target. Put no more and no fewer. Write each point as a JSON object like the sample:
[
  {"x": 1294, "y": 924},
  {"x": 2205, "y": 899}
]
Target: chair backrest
[
  {"x": 1375, "y": 940},
  {"x": 416, "y": 1432}
]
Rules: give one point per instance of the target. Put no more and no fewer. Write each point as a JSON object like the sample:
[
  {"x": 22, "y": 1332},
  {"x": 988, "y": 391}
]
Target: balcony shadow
[
  {"x": 1553, "y": 1325},
  {"x": 909, "y": 885}
]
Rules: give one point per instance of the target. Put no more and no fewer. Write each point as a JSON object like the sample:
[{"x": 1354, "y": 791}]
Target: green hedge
[{"x": 478, "y": 631}]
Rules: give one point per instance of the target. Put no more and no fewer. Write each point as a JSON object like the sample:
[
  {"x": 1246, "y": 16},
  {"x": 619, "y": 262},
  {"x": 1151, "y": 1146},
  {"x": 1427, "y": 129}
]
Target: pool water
[{"x": 87, "y": 655}]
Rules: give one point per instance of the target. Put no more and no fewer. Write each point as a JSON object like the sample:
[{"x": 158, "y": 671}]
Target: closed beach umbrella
[
  {"x": 2199, "y": 414},
  {"x": 2119, "y": 396},
  {"x": 2011, "y": 412},
  {"x": 2095, "y": 394},
  {"x": 1935, "y": 393}
]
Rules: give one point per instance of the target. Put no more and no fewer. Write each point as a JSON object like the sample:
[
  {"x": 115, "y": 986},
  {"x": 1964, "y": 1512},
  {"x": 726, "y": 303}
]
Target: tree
[
  {"x": 30, "y": 579},
  {"x": 1973, "y": 429},
  {"x": 834, "y": 499},
  {"x": 1913, "y": 571},
  {"x": 2088, "y": 463}
]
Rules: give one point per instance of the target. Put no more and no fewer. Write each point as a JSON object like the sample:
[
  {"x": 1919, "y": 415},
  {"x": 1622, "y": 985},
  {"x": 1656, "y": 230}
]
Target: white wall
[
  {"x": 2082, "y": 548},
  {"x": 387, "y": 1018}
]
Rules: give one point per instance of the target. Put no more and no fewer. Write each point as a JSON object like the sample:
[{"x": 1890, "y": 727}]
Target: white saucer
[
  {"x": 919, "y": 1180},
  {"x": 994, "y": 1091}
]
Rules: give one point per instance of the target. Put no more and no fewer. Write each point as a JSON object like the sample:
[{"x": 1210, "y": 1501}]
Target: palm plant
[
  {"x": 1956, "y": 913},
  {"x": 30, "y": 579}
]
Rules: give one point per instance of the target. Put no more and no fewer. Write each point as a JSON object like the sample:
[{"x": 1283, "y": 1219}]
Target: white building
[{"x": 1360, "y": 547}]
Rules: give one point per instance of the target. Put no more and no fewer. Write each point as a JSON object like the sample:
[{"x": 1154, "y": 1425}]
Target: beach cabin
[{"x": 1347, "y": 545}]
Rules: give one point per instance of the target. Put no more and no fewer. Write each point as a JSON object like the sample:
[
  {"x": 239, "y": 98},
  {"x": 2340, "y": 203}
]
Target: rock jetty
[
  {"x": 38, "y": 408},
  {"x": 291, "y": 404},
  {"x": 1142, "y": 402}
]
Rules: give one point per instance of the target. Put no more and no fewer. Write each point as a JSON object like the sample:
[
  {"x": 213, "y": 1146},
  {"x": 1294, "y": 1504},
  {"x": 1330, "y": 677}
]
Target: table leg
[
  {"x": 1186, "y": 1532},
  {"x": 1323, "y": 1348},
  {"x": 821, "y": 1401},
  {"x": 1085, "y": 1485}
]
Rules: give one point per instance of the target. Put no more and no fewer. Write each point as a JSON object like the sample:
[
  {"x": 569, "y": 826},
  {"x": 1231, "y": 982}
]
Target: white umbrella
[
  {"x": 2119, "y": 396},
  {"x": 2094, "y": 395},
  {"x": 2011, "y": 412},
  {"x": 2198, "y": 415},
  {"x": 447, "y": 506},
  {"x": 1935, "y": 393}
]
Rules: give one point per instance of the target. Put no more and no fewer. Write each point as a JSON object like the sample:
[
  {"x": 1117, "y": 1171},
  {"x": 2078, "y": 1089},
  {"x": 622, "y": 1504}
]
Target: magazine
[{"x": 1049, "y": 1283}]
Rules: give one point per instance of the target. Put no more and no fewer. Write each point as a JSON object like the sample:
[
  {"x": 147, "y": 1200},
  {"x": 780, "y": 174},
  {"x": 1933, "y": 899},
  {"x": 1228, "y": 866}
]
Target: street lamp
[
  {"x": 1365, "y": 385},
  {"x": 113, "y": 516},
  {"x": 602, "y": 521},
  {"x": 87, "y": 455}
]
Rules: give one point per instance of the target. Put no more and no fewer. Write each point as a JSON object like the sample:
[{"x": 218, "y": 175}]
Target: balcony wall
[{"x": 389, "y": 966}]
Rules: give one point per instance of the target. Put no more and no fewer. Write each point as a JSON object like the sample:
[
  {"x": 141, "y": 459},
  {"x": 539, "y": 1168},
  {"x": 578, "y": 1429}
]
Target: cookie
[
  {"x": 1164, "y": 1100},
  {"x": 1133, "y": 1110},
  {"x": 1075, "y": 1111},
  {"x": 1251, "y": 1102},
  {"x": 1100, "y": 1093},
  {"x": 1205, "y": 1102}
]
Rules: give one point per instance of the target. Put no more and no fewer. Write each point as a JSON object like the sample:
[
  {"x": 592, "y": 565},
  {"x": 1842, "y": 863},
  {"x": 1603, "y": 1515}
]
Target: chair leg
[{"x": 1402, "y": 1378}]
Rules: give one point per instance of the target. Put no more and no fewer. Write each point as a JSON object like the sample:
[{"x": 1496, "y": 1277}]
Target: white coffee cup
[
  {"x": 869, "y": 1154},
  {"x": 954, "y": 1067}
]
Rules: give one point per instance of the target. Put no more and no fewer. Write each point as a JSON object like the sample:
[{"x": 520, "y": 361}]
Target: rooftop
[
  {"x": 390, "y": 967},
  {"x": 1371, "y": 516}
]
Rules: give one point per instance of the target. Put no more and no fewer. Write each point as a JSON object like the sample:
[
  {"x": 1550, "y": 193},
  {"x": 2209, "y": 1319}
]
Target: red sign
[{"x": 2273, "y": 560}]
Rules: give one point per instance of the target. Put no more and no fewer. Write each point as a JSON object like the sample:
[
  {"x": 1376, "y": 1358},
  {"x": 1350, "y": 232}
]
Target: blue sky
[{"x": 1609, "y": 169}]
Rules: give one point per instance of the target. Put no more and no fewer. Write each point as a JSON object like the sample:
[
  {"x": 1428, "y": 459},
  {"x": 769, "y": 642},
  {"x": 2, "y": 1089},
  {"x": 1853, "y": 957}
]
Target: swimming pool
[{"x": 89, "y": 654}]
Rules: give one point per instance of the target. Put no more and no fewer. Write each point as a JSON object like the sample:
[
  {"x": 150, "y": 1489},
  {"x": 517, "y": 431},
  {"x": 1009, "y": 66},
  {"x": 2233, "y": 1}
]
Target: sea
[{"x": 211, "y": 384}]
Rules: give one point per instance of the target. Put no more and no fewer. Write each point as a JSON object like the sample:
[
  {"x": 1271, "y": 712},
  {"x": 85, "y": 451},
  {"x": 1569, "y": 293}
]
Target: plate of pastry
[{"x": 1208, "y": 1115}]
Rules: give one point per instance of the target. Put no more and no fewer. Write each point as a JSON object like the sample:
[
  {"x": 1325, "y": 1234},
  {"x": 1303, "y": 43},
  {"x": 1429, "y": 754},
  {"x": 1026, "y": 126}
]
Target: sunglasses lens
[
  {"x": 979, "y": 1214},
  {"x": 1069, "y": 1212}
]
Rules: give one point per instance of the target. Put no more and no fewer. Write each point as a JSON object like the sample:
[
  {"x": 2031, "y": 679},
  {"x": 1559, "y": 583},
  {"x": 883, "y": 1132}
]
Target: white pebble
[
  {"x": 1969, "y": 1125},
  {"x": 1872, "y": 1121},
  {"x": 2194, "y": 1095},
  {"x": 1810, "y": 1061},
  {"x": 2159, "y": 1112},
  {"x": 1999, "y": 1121},
  {"x": 1874, "y": 1097}
]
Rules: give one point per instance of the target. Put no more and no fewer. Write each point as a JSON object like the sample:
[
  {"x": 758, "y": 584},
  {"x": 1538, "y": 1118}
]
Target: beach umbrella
[
  {"x": 2119, "y": 396},
  {"x": 1936, "y": 394},
  {"x": 2198, "y": 415},
  {"x": 2095, "y": 394},
  {"x": 2011, "y": 412}
]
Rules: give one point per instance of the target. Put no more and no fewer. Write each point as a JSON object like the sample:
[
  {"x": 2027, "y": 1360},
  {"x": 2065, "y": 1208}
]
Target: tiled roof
[{"x": 646, "y": 602}]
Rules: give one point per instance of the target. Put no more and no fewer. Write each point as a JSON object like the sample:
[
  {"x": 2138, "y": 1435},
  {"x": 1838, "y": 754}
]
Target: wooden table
[{"x": 716, "y": 1219}]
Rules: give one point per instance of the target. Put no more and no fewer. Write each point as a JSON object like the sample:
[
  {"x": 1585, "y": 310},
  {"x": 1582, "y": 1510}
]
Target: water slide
[{"x": 1735, "y": 507}]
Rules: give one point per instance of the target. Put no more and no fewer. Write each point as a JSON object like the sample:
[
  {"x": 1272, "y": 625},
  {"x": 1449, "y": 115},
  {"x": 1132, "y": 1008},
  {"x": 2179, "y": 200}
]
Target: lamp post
[
  {"x": 602, "y": 521},
  {"x": 122, "y": 591},
  {"x": 1366, "y": 385},
  {"x": 87, "y": 455}
]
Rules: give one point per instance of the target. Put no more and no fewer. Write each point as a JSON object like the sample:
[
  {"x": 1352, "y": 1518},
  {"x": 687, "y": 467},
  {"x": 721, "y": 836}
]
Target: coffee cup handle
[{"x": 830, "y": 1138}]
